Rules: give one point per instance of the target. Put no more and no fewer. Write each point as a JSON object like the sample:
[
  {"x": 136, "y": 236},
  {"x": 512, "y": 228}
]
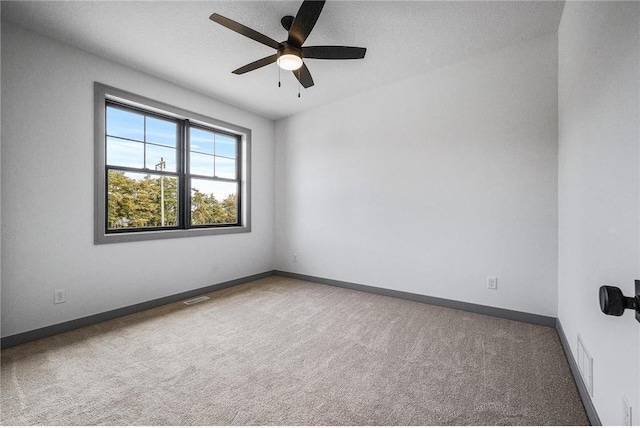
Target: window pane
[
  {"x": 136, "y": 200},
  {"x": 156, "y": 154},
  {"x": 201, "y": 164},
  {"x": 225, "y": 146},
  {"x": 225, "y": 168},
  {"x": 125, "y": 124},
  {"x": 161, "y": 131},
  {"x": 125, "y": 153},
  {"x": 213, "y": 202},
  {"x": 201, "y": 141}
]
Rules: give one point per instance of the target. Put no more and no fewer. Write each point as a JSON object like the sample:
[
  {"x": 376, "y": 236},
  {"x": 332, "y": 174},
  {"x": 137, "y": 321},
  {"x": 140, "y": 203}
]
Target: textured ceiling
[{"x": 177, "y": 42}]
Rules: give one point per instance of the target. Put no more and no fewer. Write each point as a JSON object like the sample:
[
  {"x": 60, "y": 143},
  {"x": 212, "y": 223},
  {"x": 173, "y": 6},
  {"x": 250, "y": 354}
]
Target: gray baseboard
[
  {"x": 29, "y": 336},
  {"x": 454, "y": 304},
  {"x": 594, "y": 419},
  {"x": 43, "y": 332}
]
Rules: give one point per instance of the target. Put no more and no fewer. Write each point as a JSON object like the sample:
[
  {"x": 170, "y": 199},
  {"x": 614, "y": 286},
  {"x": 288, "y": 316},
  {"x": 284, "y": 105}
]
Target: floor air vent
[{"x": 196, "y": 300}]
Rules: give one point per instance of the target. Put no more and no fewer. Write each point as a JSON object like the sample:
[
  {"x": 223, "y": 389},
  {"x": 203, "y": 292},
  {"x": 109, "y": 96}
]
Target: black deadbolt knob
[{"x": 612, "y": 301}]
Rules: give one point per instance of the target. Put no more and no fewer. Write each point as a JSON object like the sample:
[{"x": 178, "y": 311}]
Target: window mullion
[
  {"x": 185, "y": 187},
  {"x": 144, "y": 136}
]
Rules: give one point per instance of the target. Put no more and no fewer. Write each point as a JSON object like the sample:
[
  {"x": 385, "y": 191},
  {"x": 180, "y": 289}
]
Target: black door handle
[{"x": 613, "y": 302}]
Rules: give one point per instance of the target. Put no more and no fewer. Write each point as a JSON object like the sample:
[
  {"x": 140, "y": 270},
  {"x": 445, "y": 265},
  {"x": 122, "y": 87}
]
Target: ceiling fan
[{"x": 290, "y": 53}]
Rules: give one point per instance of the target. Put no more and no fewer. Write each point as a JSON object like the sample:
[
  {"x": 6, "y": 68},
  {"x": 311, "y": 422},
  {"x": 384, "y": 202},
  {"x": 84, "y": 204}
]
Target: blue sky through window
[
  {"x": 212, "y": 154},
  {"x": 136, "y": 140},
  {"x": 201, "y": 141},
  {"x": 125, "y": 124}
]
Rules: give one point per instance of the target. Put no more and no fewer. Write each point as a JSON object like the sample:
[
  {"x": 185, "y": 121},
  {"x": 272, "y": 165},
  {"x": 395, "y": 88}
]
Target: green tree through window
[{"x": 137, "y": 202}]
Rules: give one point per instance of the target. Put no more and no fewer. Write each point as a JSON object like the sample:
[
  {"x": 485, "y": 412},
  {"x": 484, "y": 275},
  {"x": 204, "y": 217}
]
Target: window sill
[{"x": 114, "y": 238}]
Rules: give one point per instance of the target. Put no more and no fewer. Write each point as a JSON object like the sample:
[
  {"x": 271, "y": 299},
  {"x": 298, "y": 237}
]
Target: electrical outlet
[
  {"x": 59, "y": 296},
  {"x": 492, "y": 282},
  {"x": 627, "y": 412},
  {"x": 295, "y": 258}
]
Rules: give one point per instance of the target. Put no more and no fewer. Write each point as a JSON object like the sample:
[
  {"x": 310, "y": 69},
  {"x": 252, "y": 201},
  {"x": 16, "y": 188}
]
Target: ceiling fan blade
[
  {"x": 333, "y": 52},
  {"x": 304, "y": 21},
  {"x": 256, "y": 64},
  {"x": 303, "y": 76},
  {"x": 244, "y": 30}
]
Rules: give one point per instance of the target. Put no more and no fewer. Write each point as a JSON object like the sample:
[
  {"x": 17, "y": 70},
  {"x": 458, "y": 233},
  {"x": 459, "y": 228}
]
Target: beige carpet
[{"x": 280, "y": 351}]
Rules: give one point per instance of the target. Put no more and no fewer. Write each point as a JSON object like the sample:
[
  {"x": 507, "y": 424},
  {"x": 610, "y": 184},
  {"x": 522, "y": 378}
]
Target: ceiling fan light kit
[
  {"x": 290, "y": 54},
  {"x": 289, "y": 59}
]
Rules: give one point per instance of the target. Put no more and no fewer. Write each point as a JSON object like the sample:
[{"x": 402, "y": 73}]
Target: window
[{"x": 164, "y": 172}]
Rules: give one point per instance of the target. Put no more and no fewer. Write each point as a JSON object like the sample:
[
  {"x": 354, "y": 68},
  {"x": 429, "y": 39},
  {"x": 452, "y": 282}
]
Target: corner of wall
[{"x": 598, "y": 198}]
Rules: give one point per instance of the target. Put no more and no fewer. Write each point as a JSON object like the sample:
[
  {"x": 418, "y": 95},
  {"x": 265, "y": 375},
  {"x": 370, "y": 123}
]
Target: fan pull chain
[
  {"x": 298, "y": 83},
  {"x": 278, "y": 76}
]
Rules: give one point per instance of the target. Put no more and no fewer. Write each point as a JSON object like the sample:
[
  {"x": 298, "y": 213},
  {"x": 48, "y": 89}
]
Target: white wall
[
  {"x": 431, "y": 184},
  {"x": 47, "y": 199},
  {"x": 0, "y": 180},
  {"x": 599, "y": 180}
]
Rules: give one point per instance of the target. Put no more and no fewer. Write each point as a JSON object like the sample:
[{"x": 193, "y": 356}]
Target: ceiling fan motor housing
[{"x": 287, "y": 49}]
